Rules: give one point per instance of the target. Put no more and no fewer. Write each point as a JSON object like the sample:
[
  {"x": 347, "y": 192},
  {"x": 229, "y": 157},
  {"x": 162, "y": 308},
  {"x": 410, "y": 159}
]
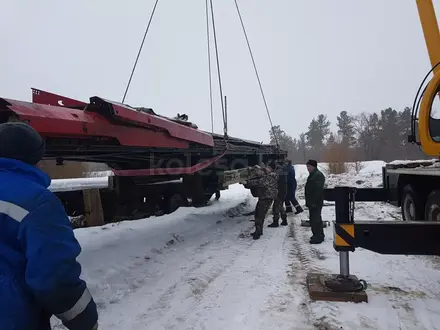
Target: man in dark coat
[
  {"x": 265, "y": 187},
  {"x": 291, "y": 190},
  {"x": 39, "y": 274},
  {"x": 314, "y": 193},
  {"x": 278, "y": 207}
]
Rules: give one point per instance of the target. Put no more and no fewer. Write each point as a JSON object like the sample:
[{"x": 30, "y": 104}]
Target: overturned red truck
[{"x": 158, "y": 163}]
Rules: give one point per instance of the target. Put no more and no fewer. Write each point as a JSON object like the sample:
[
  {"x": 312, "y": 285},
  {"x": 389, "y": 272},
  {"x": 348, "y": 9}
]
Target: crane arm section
[
  {"x": 431, "y": 31},
  {"x": 428, "y": 124}
]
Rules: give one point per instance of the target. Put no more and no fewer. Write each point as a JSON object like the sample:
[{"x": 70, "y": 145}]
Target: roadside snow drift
[{"x": 200, "y": 269}]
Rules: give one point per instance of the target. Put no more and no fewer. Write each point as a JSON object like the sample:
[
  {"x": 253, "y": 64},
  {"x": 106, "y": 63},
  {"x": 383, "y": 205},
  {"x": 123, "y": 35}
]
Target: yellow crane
[
  {"x": 415, "y": 188},
  {"x": 428, "y": 126}
]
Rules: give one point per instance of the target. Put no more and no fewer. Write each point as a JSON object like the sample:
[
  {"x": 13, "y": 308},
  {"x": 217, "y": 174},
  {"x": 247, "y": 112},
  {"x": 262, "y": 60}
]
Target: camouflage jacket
[{"x": 265, "y": 187}]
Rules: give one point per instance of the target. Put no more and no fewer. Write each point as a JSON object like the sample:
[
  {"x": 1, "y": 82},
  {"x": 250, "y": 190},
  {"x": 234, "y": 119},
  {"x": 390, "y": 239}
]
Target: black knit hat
[
  {"x": 312, "y": 162},
  {"x": 20, "y": 141}
]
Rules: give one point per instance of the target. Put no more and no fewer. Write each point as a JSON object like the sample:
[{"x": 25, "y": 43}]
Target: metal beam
[
  {"x": 398, "y": 237},
  {"x": 360, "y": 194}
]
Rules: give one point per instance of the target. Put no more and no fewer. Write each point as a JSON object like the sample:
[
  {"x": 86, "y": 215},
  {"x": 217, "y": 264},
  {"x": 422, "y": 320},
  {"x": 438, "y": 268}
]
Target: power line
[
  {"x": 218, "y": 69},
  {"x": 209, "y": 66},
  {"x": 256, "y": 72},
  {"x": 140, "y": 50}
]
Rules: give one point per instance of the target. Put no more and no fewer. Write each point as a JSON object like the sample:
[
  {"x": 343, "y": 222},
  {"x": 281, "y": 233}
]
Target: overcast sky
[{"x": 314, "y": 57}]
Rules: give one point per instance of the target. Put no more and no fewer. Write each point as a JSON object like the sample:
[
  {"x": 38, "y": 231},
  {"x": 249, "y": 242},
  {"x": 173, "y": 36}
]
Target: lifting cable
[
  {"x": 209, "y": 66},
  {"x": 256, "y": 72},
  {"x": 140, "y": 50},
  {"x": 225, "y": 130}
]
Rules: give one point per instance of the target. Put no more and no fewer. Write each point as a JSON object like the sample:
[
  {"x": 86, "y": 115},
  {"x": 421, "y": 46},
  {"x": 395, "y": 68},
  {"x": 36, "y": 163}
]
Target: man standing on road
[
  {"x": 314, "y": 193},
  {"x": 278, "y": 207},
  {"x": 39, "y": 274},
  {"x": 265, "y": 188},
  {"x": 291, "y": 190}
]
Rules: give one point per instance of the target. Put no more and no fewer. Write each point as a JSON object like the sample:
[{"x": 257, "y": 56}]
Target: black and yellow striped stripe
[{"x": 344, "y": 235}]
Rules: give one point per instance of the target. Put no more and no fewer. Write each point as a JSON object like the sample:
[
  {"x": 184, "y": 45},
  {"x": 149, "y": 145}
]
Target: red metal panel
[
  {"x": 52, "y": 121},
  {"x": 169, "y": 171},
  {"x": 43, "y": 97},
  {"x": 128, "y": 114}
]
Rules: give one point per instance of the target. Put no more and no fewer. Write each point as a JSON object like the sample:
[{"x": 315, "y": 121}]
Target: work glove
[{"x": 95, "y": 327}]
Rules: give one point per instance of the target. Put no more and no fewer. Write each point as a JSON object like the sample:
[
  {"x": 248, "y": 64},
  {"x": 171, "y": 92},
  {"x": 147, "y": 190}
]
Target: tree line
[{"x": 368, "y": 136}]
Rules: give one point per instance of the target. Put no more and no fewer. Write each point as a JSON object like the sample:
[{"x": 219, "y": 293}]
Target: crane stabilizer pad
[{"x": 329, "y": 288}]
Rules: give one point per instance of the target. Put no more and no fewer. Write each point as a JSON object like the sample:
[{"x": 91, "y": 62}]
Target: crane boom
[
  {"x": 431, "y": 31},
  {"x": 428, "y": 125}
]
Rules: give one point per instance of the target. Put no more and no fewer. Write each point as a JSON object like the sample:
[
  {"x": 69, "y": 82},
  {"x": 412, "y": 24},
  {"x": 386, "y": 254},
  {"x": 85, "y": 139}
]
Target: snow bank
[
  {"x": 404, "y": 162},
  {"x": 125, "y": 230},
  {"x": 362, "y": 174}
]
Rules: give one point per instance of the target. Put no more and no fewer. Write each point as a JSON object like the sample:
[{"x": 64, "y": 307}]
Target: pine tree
[{"x": 346, "y": 129}]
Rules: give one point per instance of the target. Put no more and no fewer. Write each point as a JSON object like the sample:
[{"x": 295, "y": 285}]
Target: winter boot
[
  {"x": 258, "y": 232},
  {"x": 274, "y": 224},
  {"x": 299, "y": 209},
  {"x": 289, "y": 209},
  {"x": 316, "y": 240},
  {"x": 284, "y": 222}
]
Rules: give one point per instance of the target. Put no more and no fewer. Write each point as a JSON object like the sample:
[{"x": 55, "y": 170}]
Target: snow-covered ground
[{"x": 200, "y": 269}]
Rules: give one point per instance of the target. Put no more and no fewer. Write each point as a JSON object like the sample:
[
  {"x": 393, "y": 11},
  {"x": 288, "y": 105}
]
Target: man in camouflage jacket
[
  {"x": 265, "y": 188},
  {"x": 278, "y": 207}
]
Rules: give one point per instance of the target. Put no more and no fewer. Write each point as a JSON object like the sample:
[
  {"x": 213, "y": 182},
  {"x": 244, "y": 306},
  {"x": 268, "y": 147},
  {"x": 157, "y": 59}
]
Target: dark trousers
[
  {"x": 278, "y": 209},
  {"x": 263, "y": 205},
  {"x": 316, "y": 222},
  {"x": 290, "y": 198}
]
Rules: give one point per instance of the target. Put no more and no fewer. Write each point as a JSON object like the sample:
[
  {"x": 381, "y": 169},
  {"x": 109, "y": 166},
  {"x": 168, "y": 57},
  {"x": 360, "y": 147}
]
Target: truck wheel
[
  {"x": 432, "y": 208},
  {"x": 173, "y": 202},
  {"x": 412, "y": 208}
]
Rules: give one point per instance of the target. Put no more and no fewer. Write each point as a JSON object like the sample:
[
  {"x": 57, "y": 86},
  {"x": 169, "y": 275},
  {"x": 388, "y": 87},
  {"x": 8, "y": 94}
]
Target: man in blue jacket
[
  {"x": 291, "y": 190},
  {"x": 39, "y": 274}
]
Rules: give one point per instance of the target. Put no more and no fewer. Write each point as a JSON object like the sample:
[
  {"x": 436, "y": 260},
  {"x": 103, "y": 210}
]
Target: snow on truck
[{"x": 158, "y": 163}]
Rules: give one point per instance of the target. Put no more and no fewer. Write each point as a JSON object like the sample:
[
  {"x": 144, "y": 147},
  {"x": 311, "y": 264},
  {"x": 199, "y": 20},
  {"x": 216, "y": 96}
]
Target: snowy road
[{"x": 200, "y": 269}]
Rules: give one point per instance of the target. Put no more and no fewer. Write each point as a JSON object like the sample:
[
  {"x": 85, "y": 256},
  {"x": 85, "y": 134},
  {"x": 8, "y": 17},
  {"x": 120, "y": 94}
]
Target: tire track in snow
[
  {"x": 236, "y": 285},
  {"x": 192, "y": 285},
  {"x": 186, "y": 296},
  {"x": 289, "y": 305},
  {"x": 305, "y": 258},
  {"x": 184, "y": 284}
]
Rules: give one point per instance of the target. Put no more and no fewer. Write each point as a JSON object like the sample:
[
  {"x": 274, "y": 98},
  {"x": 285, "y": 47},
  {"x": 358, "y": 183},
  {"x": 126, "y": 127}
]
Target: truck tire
[
  {"x": 411, "y": 205},
  {"x": 432, "y": 207},
  {"x": 173, "y": 202}
]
